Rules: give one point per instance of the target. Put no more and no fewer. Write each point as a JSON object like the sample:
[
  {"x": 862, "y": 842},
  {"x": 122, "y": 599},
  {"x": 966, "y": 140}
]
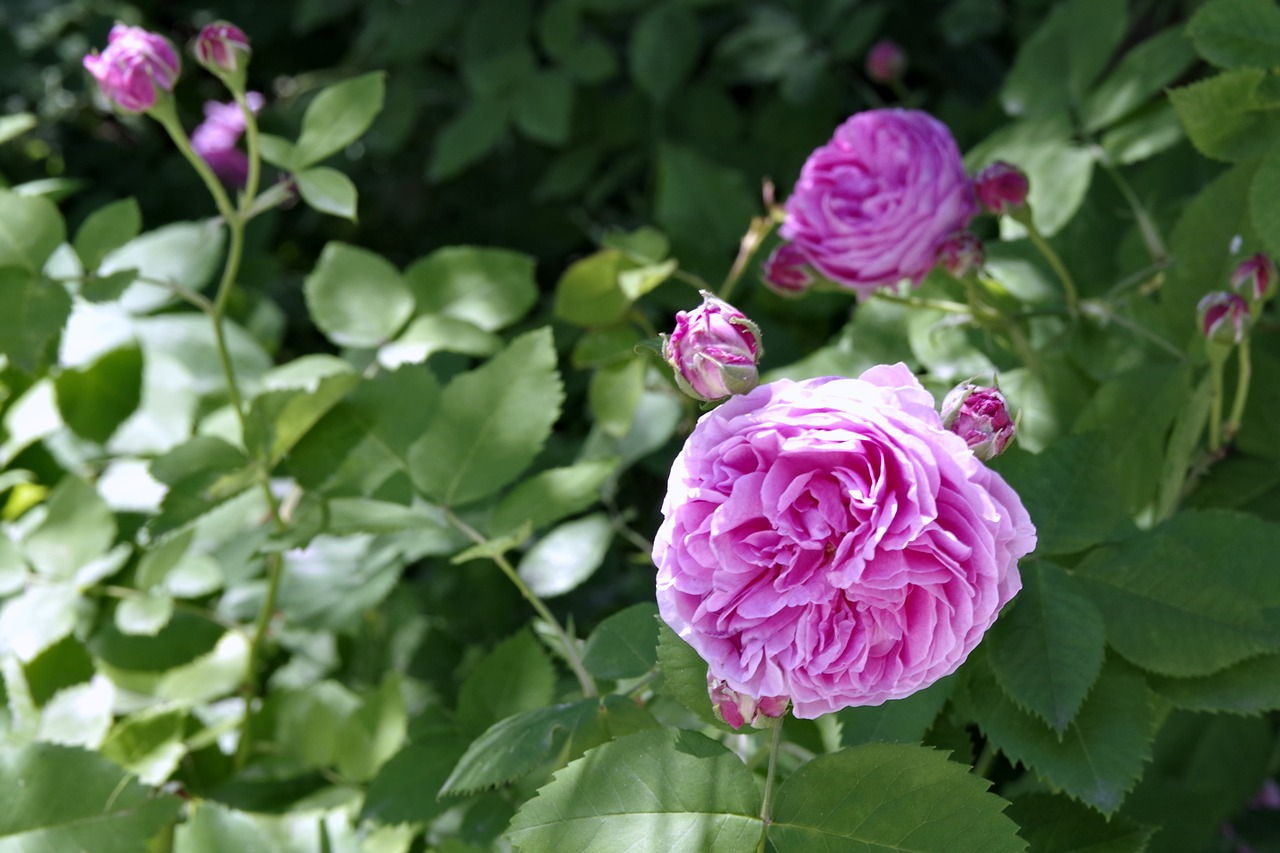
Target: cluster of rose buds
[
  {"x": 738, "y": 709},
  {"x": 980, "y": 415},
  {"x": 714, "y": 350},
  {"x": 1226, "y": 315}
]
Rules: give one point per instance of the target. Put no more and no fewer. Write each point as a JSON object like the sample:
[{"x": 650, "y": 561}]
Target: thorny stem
[{"x": 585, "y": 681}]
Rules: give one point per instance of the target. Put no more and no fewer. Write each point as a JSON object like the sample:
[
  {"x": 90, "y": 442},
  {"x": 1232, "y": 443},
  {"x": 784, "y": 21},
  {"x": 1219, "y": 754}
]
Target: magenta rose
[
  {"x": 873, "y": 205},
  {"x": 134, "y": 68},
  {"x": 215, "y": 138},
  {"x": 828, "y": 541}
]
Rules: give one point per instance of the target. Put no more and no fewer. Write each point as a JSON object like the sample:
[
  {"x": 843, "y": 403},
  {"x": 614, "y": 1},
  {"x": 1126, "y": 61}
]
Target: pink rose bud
[
  {"x": 736, "y": 709},
  {"x": 873, "y": 204},
  {"x": 787, "y": 271},
  {"x": 886, "y": 61},
  {"x": 979, "y": 415},
  {"x": 1255, "y": 278},
  {"x": 714, "y": 350},
  {"x": 1001, "y": 188},
  {"x": 1224, "y": 317},
  {"x": 961, "y": 253},
  {"x": 134, "y": 66},
  {"x": 222, "y": 47}
]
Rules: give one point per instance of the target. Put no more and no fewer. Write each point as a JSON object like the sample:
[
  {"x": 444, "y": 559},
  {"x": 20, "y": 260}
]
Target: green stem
[
  {"x": 766, "y": 808},
  {"x": 917, "y": 302},
  {"x": 165, "y": 114},
  {"x": 1055, "y": 261},
  {"x": 585, "y": 681},
  {"x": 1215, "y": 411},
  {"x": 1146, "y": 224},
  {"x": 251, "y": 145},
  {"x": 986, "y": 760},
  {"x": 275, "y": 570},
  {"x": 1242, "y": 391},
  {"x": 751, "y": 242},
  {"x": 1179, "y": 466},
  {"x": 1104, "y": 313}
]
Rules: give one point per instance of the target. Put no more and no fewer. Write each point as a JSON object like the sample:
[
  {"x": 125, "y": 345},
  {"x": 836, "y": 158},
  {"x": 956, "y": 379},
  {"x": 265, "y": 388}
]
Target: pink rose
[
  {"x": 829, "y": 542},
  {"x": 873, "y": 205},
  {"x": 215, "y": 138},
  {"x": 133, "y": 66}
]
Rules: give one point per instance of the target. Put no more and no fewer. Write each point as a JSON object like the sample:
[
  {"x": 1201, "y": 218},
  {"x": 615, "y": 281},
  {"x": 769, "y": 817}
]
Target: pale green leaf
[
  {"x": 144, "y": 615},
  {"x": 328, "y": 191},
  {"x": 889, "y": 797},
  {"x": 491, "y": 423},
  {"x": 669, "y": 790},
  {"x": 30, "y": 229},
  {"x": 1048, "y": 646},
  {"x": 78, "y": 715},
  {"x": 589, "y": 292},
  {"x": 214, "y": 828},
  {"x": 489, "y": 288},
  {"x": 432, "y": 333},
  {"x": 184, "y": 253},
  {"x": 338, "y": 116},
  {"x": 1152, "y": 64},
  {"x": 277, "y": 420},
  {"x": 79, "y": 527},
  {"x": 62, "y": 798},
  {"x": 553, "y": 494},
  {"x": 148, "y": 743},
  {"x": 567, "y": 555},
  {"x": 15, "y": 124},
  {"x": 107, "y": 229},
  {"x": 374, "y": 732},
  {"x": 357, "y": 297},
  {"x": 614, "y": 395}
]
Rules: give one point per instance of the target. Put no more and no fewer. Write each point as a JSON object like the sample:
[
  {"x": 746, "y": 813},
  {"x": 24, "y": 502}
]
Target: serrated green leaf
[
  {"x": 1153, "y": 64},
  {"x": 357, "y": 297},
  {"x": 338, "y": 116},
  {"x": 277, "y": 420},
  {"x": 664, "y": 47},
  {"x": 32, "y": 314},
  {"x": 1070, "y": 492},
  {"x": 624, "y": 796},
  {"x": 467, "y": 138},
  {"x": 30, "y": 229},
  {"x": 516, "y": 676},
  {"x": 94, "y": 401},
  {"x": 489, "y": 288},
  {"x": 1101, "y": 755},
  {"x": 107, "y": 229},
  {"x": 328, "y": 191},
  {"x": 213, "y": 828},
  {"x": 684, "y": 676},
  {"x": 1174, "y": 606},
  {"x": 1221, "y": 115},
  {"x": 898, "y": 720},
  {"x": 1047, "y": 650},
  {"x": 1231, "y": 33},
  {"x": 1266, "y": 182},
  {"x": 889, "y": 797},
  {"x": 1056, "y": 824},
  {"x": 491, "y": 423},
  {"x": 568, "y": 555},
  {"x": 79, "y": 527},
  {"x": 1056, "y": 65},
  {"x": 404, "y": 789},
  {"x": 1150, "y": 132},
  {"x": 1249, "y": 687},
  {"x": 551, "y": 495},
  {"x": 432, "y": 333},
  {"x": 625, "y": 645},
  {"x": 148, "y": 743},
  {"x": 62, "y": 798}
]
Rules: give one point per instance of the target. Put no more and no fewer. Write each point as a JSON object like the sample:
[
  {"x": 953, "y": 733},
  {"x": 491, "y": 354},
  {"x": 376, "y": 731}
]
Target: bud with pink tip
[
  {"x": 961, "y": 253},
  {"x": 979, "y": 415},
  {"x": 787, "y": 271},
  {"x": 223, "y": 48},
  {"x": 714, "y": 350},
  {"x": 737, "y": 709},
  {"x": 1255, "y": 278},
  {"x": 1001, "y": 188},
  {"x": 1224, "y": 317},
  {"x": 135, "y": 68},
  {"x": 886, "y": 61}
]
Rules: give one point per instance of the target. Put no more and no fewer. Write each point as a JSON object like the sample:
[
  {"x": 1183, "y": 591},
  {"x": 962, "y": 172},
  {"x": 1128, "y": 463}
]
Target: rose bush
[
  {"x": 874, "y": 204},
  {"x": 829, "y": 541}
]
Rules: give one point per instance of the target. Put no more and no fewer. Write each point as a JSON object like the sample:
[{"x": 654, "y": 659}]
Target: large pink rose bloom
[
  {"x": 830, "y": 542},
  {"x": 873, "y": 205}
]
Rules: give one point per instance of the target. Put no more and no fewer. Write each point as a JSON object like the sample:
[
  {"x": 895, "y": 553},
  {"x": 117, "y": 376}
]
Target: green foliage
[
  {"x": 1056, "y": 65},
  {"x": 107, "y": 229},
  {"x": 624, "y": 645},
  {"x": 337, "y": 116},
  {"x": 356, "y": 297},
  {"x": 1232, "y": 33}
]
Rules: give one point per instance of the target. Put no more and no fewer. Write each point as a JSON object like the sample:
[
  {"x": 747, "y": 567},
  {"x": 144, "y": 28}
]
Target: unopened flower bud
[
  {"x": 134, "y": 68},
  {"x": 979, "y": 415},
  {"x": 223, "y": 48},
  {"x": 1255, "y": 278},
  {"x": 714, "y": 350},
  {"x": 787, "y": 270},
  {"x": 886, "y": 61},
  {"x": 1224, "y": 317},
  {"x": 961, "y": 253},
  {"x": 737, "y": 709},
  {"x": 1001, "y": 188}
]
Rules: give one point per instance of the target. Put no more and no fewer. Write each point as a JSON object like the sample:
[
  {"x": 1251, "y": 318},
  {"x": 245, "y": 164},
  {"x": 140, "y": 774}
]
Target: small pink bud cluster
[
  {"x": 1001, "y": 188},
  {"x": 714, "y": 350},
  {"x": 737, "y": 709},
  {"x": 134, "y": 68},
  {"x": 886, "y": 61},
  {"x": 961, "y": 253},
  {"x": 787, "y": 271},
  {"x": 1224, "y": 317},
  {"x": 979, "y": 415}
]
